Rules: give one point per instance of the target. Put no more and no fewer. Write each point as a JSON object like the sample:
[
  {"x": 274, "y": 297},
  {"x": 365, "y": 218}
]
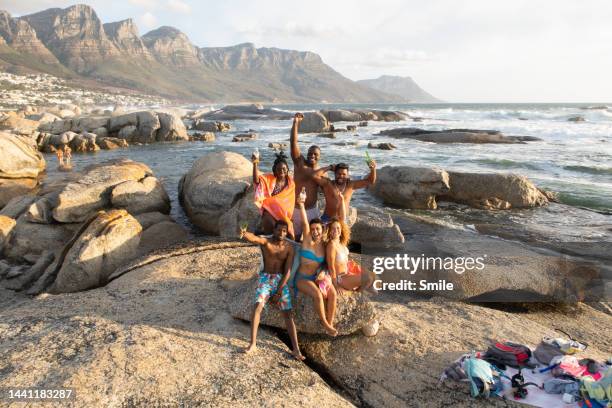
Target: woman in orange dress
[{"x": 274, "y": 194}]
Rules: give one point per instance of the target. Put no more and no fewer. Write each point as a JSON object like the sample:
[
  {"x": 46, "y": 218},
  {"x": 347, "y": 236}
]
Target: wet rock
[
  {"x": 109, "y": 240},
  {"x": 89, "y": 123},
  {"x": 327, "y": 135},
  {"x": 128, "y": 133},
  {"x": 141, "y": 196},
  {"x": 382, "y": 146},
  {"x": 100, "y": 132},
  {"x": 111, "y": 143},
  {"x": 353, "y": 311},
  {"x": 205, "y": 126},
  {"x": 85, "y": 142},
  {"x": 411, "y": 187},
  {"x": 244, "y": 137},
  {"x": 313, "y": 122},
  {"x": 204, "y": 136},
  {"x": 253, "y": 111},
  {"x": 341, "y": 116},
  {"x": 576, "y": 119},
  {"x": 278, "y": 146},
  {"x": 494, "y": 191},
  {"x": 363, "y": 124},
  {"x": 454, "y": 135},
  {"x": 171, "y": 128},
  {"x": 351, "y": 128}
]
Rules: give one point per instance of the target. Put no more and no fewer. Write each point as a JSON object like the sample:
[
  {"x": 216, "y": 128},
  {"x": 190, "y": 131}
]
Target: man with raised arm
[
  {"x": 273, "y": 282},
  {"x": 303, "y": 174},
  {"x": 339, "y": 192}
]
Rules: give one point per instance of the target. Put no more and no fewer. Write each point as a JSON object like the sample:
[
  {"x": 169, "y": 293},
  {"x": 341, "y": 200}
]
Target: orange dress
[{"x": 280, "y": 205}]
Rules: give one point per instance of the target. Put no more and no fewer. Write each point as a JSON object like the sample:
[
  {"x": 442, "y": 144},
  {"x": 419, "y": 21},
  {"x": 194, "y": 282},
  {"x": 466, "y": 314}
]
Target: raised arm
[
  {"x": 252, "y": 238},
  {"x": 256, "y": 172},
  {"x": 368, "y": 181},
  {"x": 305, "y": 224},
  {"x": 295, "y": 148}
]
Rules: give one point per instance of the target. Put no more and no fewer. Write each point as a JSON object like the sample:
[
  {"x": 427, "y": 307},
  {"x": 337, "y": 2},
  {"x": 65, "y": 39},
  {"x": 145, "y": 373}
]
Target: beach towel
[{"x": 280, "y": 205}]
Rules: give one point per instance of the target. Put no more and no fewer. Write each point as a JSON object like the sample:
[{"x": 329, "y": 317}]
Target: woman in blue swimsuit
[{"x": 311, "y": 264}]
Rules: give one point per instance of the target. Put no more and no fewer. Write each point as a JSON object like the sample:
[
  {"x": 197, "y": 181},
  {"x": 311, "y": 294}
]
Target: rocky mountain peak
[
  {"x": 74, "y": 34},
  {"x": 170, "y": 45},
  {"x": 124, "y": 35},
  {"x": 22, "y": 37}
]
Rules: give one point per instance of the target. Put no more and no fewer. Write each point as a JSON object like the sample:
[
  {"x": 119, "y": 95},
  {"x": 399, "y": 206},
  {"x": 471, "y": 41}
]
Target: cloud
[
  {"x": 291, "y": 29},
  {"x": 147, "y": 20},
  {"x": 146, "y": 4},
  {"x": 179, "y": 6}
]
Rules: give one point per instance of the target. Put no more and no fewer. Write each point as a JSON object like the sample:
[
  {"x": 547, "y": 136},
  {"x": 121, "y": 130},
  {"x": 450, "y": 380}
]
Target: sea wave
[{"x": 590, "y": 169}]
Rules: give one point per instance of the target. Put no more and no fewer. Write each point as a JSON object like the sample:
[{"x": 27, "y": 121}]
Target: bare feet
[
  {"x": 297, "y": 355},
  {"x": 331, "y": 330},
  {"x": 250, "y": 349}
]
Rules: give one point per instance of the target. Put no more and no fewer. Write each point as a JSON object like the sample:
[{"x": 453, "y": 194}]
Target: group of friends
[{"x": 296, "y": 237}]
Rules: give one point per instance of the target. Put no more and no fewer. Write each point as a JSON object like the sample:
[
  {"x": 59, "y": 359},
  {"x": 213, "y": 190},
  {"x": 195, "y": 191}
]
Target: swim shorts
[{"x": 267, "y": 285}]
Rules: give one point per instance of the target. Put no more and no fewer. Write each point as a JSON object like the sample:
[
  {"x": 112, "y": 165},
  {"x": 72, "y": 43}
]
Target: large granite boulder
[
  {"x": 19, "y": 157},
  {"x": 18, "y": 125},
  {"x": 32, "y": 239},
  {"x": 353, "y": 312},
  {"x": 172, "y": 128},
  {"x": 14, "y": 188},
  {"x": 142, "y": 196},
  {"x": 109, "y": 240},
  {"x": 456, "y": 136},
  {"x": 341, "y": 116},
  {"x": 314, "y": 122},
  {"x": 78, "y": 200},
  {"x": 89, "y": 123},
  {"x": 253, "y": 111},
  {"x": 494, "y": 191},
  {"x": 411, "y": 187},
  {"x": 418, "y": 340},
  {"x": 84, "y": 142},
  {"x": 376, "y": 228},
  {"x": 213, "y": 185}
]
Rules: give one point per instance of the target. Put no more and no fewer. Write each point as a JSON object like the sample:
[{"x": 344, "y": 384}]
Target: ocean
[{"x": 573, "y": 159}]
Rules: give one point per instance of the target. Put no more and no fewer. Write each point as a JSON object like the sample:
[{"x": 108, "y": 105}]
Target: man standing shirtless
[
  {"x": 303, "y": 174},
  {"x": 339, "y": 192},
  {"x": 273, "y": 282}
]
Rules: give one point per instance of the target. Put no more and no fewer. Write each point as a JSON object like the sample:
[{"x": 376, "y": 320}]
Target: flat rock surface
[{"x": 160, "y": 334}]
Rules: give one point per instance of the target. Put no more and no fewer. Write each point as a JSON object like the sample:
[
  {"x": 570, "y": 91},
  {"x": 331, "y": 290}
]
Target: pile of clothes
[{"x": 549, "y": 376}]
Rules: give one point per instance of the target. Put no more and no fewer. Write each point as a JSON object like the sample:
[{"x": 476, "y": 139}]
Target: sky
[{"x": 457, "y": 50}]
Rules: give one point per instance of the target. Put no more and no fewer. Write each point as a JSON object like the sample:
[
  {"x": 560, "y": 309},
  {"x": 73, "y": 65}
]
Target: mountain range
[
  {"x": 401, "y": 86},
  {"x": 74, "y": 43}
]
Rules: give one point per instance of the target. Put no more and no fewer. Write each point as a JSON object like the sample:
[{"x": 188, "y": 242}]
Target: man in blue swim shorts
[{"x": 273, "y": 284}]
